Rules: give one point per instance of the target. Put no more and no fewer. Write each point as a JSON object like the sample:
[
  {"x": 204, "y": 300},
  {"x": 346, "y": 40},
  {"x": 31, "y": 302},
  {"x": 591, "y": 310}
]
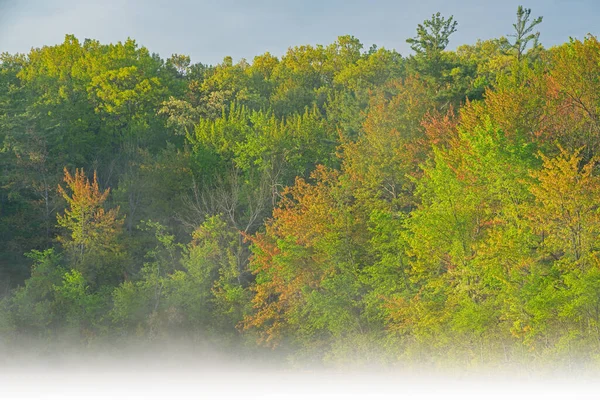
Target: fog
[
  {"x": 204, "y": 380},
  {"x": 191, "y": 373}
]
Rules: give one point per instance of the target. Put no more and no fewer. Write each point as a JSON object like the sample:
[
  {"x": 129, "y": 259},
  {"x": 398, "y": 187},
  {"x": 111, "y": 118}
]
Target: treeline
[{"x": 337, "y": 203}]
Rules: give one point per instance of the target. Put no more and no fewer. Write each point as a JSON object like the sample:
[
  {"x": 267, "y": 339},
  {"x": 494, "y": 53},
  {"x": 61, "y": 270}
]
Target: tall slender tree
[{"x": 524, "y": 31}]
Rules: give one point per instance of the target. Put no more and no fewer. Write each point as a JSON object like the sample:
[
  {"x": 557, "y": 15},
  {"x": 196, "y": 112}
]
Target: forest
[{"x": 336, "y": 203}]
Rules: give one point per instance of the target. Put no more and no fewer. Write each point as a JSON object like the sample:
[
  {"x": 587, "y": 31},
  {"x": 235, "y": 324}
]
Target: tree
[
  {"x": 391, "y": 145},
  {"x": 451, "y": 78},
  {"x": 566, "y": 210},
  {"x": 433, "y": 36},
  {"x": 92, "y": 231},
  {"x": 524, "y": 31},
  {"x": 574, "y": 92},
  {"x": 312, "y": 287}
]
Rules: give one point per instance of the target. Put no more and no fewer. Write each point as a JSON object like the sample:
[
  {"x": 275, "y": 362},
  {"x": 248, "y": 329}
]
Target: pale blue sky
[{"x": 211, "y": 30}]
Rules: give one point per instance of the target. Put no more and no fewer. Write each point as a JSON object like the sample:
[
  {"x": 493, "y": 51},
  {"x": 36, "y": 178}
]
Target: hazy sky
[{"x": 211, "y": 30}]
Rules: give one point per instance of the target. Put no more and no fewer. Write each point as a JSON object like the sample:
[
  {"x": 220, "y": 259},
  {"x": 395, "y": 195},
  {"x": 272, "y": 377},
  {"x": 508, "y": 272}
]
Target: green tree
[
  {"x": 524, "y": 32},
  {"x": 432, "y": 38},
  {"x": 433, "y": 35}
]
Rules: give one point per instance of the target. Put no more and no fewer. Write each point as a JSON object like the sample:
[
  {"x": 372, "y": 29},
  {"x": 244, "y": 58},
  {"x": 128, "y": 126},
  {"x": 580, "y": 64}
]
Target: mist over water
[
  {"x": 183, "y": 371},
  {"x": 203, "y": 380}
]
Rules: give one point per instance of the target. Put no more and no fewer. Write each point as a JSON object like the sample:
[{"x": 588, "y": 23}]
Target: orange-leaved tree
[
  {"x": 91, "y": 242},
  {"x": 307, "y": 265}
]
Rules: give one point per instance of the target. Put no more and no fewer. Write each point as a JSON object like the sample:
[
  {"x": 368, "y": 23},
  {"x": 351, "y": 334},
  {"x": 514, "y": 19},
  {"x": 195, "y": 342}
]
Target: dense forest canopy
[{"x": 336, "y": 202}]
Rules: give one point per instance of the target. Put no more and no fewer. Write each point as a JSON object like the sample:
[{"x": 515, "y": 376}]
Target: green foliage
[
  {"x": 31, "y": 306},
  {"x": 195, "y": 288}
]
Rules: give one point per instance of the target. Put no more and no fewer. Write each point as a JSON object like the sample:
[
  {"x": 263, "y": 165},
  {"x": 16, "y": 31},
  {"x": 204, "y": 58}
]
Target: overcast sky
[{"x": 211, "y": 30}]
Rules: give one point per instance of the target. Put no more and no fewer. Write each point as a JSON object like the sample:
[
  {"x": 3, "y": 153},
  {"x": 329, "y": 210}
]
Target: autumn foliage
[
  {"x": 92, "y": 231},
  {"x": 340, "y": 205}
]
